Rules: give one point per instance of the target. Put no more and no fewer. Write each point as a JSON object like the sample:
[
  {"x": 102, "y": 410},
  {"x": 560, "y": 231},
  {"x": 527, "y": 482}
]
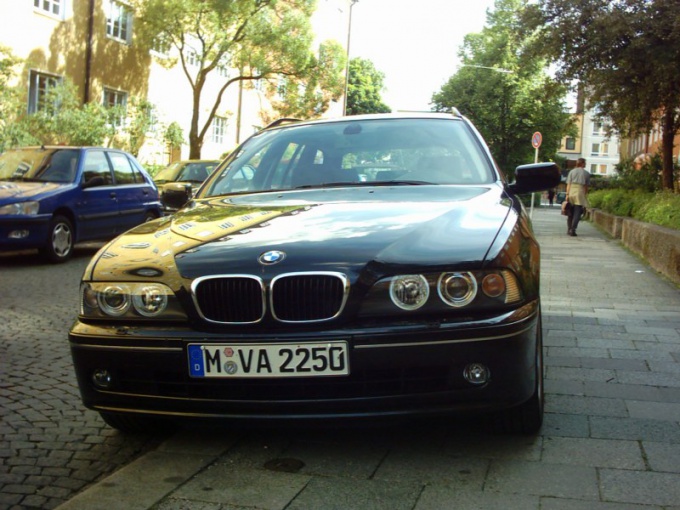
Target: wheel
[
  {"x": 149, "y": 216},
  {"x": 59, "y": 247},
  {"x": 526, "y": 418},
  {"x": 136, "y": 424}
]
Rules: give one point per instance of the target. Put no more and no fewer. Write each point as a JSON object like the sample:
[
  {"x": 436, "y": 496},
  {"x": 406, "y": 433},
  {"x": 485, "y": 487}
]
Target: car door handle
[{"x": 113, "y": 194}]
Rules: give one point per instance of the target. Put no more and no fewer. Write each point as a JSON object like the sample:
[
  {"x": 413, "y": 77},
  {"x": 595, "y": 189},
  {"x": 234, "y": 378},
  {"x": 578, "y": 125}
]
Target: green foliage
[
  {"x": 308, "y": 96},
  {"x": 173, "y": 135},
  {"x": 644, "y": 177},
  {"x": 506, "y": 92},
  {"x": 625, "y": 54},
  {"x": 364, "y": 87},
  {"x": 660, "y": 208},
  {"x": 12, "y": 107},
  {"x": 140, "y": 119}
]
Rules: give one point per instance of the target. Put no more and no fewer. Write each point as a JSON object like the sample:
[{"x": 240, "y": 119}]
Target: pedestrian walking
[
  {"x": 551, "y": 196},
  {"x": 578, "y": 181}
]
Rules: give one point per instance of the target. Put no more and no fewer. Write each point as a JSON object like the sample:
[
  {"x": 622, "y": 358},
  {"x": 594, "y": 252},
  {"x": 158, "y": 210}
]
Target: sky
[{"x": 414, "y": 43}]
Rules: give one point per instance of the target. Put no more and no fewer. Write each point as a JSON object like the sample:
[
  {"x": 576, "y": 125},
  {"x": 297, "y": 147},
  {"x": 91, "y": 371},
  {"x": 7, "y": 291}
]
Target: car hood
[
  {"x": 345, "y": 229},
  {"x": 25, "y": 190}
]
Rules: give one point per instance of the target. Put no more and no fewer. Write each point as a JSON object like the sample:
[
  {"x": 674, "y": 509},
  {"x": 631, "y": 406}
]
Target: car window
[
  {"x": 123, "y": 170},
  {"x": 428, "y": 151},
  {"x": 43, "y": 165},
  {"x": 95, "y": 164}
]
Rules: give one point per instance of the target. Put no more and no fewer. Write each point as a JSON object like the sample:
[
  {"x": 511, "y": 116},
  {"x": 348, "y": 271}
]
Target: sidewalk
[{"x": 611, "y": 437}]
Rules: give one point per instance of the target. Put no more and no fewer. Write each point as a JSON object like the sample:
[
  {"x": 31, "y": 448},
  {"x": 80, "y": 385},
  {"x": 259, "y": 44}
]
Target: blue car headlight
[{"x": 29, "y": 208}]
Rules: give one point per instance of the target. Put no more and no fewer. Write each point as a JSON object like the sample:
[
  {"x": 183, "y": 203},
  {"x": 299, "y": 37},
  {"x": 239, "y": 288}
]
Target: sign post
[{"x": 536, "y": 140}]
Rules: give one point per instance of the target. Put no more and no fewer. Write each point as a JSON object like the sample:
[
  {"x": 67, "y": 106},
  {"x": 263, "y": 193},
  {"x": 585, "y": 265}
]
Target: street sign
[{"x": 536, "y": 140}]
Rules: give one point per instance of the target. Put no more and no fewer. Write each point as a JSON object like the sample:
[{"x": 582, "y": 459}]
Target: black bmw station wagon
[{"x": 351, "y": 268}]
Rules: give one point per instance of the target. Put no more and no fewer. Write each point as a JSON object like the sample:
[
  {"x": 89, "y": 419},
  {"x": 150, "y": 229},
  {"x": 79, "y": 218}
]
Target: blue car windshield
[
  {"x": 39, "y": 165},
  {"x": 357, "y": 153}
]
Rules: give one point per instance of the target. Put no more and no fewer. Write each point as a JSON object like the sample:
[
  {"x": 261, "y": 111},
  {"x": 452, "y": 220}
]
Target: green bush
[{"x": 661, "y": 208}]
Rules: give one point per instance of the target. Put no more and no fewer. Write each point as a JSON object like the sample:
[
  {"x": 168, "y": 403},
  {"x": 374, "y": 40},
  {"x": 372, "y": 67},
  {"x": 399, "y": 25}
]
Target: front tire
[{"x": 60, "y": 240}]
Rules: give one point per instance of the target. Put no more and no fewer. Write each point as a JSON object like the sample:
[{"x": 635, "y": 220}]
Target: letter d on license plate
[{"x": 268, "y": 360}]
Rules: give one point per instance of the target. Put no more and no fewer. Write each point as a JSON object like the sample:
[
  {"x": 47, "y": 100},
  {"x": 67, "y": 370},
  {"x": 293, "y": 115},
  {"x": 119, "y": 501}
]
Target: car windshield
[
  {"x": 360, "y": 152},
  {"x": 39, "y": 165},
  {"x": 186, "y": 171}
]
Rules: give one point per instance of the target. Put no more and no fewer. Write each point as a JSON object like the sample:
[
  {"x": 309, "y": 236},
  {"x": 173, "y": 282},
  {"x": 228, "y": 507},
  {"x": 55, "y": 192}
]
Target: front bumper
[
  {"x": 402, "y": 370},
  {"x": 22, "y": 232}
]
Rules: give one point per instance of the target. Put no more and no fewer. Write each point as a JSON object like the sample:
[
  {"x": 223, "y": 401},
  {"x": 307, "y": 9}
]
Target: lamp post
[{"x": 349, "y": 38}]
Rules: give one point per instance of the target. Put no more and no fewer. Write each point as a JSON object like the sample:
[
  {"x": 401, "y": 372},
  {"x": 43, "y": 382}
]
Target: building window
[
  {"x": 219, "y": 128},
  {"x": 604, "y": 149},
  {"x": 192, "y": 58},
  {"x": 38, "y": 90},
  {"x": 570, "y": 143},
  {"x": 117, "y": 100},
  {"x": 118, "y": 21},
  {"x": 52, "y": 7},
  {"x": 603, "y": 169},
  {"x": 597, "y": 128},
  {"x": 595, "y": 150},
  {"x": 593, "y": 169}
]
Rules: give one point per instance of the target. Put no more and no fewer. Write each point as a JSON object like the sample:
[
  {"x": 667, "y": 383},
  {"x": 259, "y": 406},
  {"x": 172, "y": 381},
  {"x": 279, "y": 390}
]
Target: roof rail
[{"x": 280, "y": 121}]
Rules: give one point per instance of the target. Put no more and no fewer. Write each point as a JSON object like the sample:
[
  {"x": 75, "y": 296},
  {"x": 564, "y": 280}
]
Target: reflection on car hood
[
  {"x": 332, "y": 229},
  {"x": 25, "y": 190}
]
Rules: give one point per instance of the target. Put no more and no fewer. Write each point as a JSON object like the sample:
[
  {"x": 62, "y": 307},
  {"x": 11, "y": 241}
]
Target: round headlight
[
  {"x": 457, "y": 289},
  {"x": 150, "y": 300},
  {"x": 409, "y": 292},
  {"x": 114, "y": 300}
]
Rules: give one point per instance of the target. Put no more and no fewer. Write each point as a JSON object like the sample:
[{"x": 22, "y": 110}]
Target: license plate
[{"x": 268, "y": 360}]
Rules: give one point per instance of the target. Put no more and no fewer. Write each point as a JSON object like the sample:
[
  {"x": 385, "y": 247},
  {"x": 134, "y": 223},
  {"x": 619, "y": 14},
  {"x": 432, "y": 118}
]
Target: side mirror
[
  {"x": 174, "y": 195},
  {"x": 535, "y": 177}
]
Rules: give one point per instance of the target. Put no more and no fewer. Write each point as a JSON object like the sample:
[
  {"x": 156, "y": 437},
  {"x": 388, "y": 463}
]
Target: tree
[
  {"x": 624, "y": 53},
  {"x": 12, "y": 108},
  {"x": 256, "y": 39},
  {"x": 508, "y": 95},
  {"x": 364, "y": 87}
]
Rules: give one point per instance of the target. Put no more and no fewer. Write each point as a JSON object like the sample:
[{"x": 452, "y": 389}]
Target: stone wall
[{"x": 659, "y": 246}]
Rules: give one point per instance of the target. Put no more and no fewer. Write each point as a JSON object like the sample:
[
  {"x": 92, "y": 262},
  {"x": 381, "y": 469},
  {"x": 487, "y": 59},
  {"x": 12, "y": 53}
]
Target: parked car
[
  {"x": 54, "y": 197},
  {"x": 175, "y": 179},
  {"x": 297, "y": 284}
]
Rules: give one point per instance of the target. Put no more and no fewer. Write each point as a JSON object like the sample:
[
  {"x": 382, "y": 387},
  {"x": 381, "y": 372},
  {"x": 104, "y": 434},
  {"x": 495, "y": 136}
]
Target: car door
[
  {"x": 132, "y": 191},
  {"x": 97, "y": 209}
]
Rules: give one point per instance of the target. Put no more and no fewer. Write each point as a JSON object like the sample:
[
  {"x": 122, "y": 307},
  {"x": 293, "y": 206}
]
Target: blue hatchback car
[{"x": 54, "y": 197}]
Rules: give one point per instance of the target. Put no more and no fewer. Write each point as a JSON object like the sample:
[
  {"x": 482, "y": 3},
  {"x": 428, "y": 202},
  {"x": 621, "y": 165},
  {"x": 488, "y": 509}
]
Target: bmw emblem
[{"x": 271, "y": 257}]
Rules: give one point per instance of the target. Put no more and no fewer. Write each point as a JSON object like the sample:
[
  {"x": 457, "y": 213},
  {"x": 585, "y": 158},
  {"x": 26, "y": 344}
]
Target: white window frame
[
  {"x": 53, "y": 8},
  {"x": 113, "y": 97},
  {"x": 219, "y": 129},
  {"x": 595, "y": 149},
  {"x": 119, "y": 21},
  {"x": 39, "y": 83}
]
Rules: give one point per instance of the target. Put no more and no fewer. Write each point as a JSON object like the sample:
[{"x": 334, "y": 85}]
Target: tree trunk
[{"x": 667, "y": 139}]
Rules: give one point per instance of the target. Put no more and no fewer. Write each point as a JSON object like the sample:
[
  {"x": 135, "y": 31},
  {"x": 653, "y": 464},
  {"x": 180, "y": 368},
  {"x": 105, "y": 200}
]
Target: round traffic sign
[{"x": 536, "y": 140}]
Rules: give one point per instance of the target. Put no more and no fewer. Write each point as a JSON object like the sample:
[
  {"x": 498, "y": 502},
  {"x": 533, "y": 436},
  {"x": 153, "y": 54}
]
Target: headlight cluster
[
  {"x": 443, "y": 291},
  {"x": 129, "y": 300},
  {"x": 29, "y": 208}
]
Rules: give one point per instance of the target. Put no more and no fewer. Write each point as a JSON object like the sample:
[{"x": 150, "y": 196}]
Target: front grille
[
  {"x": 293, "y": 297},
  {"x": 233, "y": 299},
  {"x": 307, "y": 297}
]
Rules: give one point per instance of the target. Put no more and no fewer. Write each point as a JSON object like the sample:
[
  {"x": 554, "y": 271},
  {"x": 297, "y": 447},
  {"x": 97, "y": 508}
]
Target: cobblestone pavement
[
  {"x": 50, "y": 446},
  {"x": 610, "y": 441}
]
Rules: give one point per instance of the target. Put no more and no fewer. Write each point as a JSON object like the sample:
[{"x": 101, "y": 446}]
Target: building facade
[
  {"x": 93, "y": 44},
  {"x": 601, "y": 152}
]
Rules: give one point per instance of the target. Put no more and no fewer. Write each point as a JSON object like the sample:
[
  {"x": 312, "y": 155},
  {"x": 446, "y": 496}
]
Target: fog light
[
  {"x": 18, "y": 234},
  {"x": 476, "y": 373},
  {"x": 102, "y": 378}
]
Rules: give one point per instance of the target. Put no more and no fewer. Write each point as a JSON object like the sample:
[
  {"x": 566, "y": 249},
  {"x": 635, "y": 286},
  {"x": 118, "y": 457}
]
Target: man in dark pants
[{"x": 578, "y": 181}]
